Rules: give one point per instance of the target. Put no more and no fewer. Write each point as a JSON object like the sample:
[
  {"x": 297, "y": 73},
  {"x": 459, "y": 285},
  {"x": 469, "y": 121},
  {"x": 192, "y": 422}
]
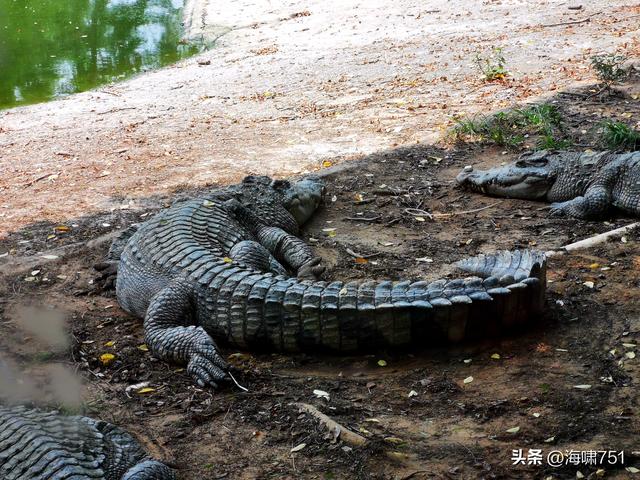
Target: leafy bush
[{"x": 609, "y": 68}]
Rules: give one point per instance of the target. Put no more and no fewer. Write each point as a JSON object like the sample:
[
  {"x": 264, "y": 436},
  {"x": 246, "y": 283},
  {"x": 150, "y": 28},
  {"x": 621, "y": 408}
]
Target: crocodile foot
[
  {"x": 559, "y": 209},
  {"x": 106, "y": 278},
  {"x": 312, "y": 270},
  {"x": 206, "y": 366}
]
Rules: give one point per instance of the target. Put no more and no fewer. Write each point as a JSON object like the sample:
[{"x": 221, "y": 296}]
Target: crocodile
[
  {"x": 45, "y": 445},
  {"x": 230, "y": 267},
  {"x": 584, "y": 185}
]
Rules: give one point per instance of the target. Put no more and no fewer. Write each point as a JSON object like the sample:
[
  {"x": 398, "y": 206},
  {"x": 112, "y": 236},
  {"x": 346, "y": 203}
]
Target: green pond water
[{"x": 51, "y": 48}]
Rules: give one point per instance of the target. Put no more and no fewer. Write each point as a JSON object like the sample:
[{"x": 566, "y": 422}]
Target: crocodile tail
[{"x": 285, "y": 314}]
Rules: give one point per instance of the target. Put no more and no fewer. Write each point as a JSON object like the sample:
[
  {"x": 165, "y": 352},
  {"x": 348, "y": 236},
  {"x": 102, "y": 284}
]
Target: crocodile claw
[
  {"x": 206, "y": 366},
  {"x": 312, "y": 270},
  {"x": 106, "y": 279},
  {"x": 557, "y": 209}
]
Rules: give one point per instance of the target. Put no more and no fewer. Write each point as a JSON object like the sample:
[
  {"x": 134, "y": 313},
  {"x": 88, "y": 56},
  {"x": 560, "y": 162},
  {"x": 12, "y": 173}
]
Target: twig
[
  {"x": 575, "y": 22},
  {"x": 115, "y": 110},
  {"x": 417, "y": 212},
  {"x": 359, "y": 255},
  {"x": 363, "y": 219},
  {"x": 42, "y": 177},
  {"x": 595, "y": 240},
  {"x": 576, "y": 94},
  {"x": 346, "y": 435},
  {"x": 389, "y": 191},
  {"x": 464, "y": 212}
]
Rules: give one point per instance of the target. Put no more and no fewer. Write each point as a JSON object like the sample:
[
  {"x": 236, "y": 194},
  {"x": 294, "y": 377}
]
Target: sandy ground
[{"x": 287, "y": 87}]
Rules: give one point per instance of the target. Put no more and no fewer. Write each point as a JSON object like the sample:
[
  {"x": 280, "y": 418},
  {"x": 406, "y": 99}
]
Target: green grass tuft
[
  {"x": 509, "y": 129},
  {"x": 619, "y": 136}
]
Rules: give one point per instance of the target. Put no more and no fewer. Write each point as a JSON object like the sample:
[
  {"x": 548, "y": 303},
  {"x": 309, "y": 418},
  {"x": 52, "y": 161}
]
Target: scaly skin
[
  {"x": 581, "y": 185},
  {"x": 218, "y": 268},
  {"x": 38, "y": 445}
]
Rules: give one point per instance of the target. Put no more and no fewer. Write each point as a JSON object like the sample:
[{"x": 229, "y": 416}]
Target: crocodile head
[
  {"x": 530, "y": 177},
  {"x": 303, "y": 197}
]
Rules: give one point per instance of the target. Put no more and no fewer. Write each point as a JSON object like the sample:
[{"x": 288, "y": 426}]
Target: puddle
[{"x": 49, "y": 49}]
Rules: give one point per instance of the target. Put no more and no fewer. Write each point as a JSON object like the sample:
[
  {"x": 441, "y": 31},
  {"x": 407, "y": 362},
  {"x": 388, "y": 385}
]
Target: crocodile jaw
[{"x": 507, "y": 181}]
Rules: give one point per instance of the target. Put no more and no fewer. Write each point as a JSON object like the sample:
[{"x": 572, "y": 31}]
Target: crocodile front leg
[
  {"x": 594, "y": 204},
  {"x": 170, "y": 337},
  {"x": 291, "y": 251},
  {"x": 254, "y": 255}
]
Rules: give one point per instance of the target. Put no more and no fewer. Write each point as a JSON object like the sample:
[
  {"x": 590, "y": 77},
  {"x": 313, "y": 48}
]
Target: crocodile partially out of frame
[
  {"x": 230, "y": 267},
  {"x": 584, "y": 185},
  {"x": 45, "y": 445}
]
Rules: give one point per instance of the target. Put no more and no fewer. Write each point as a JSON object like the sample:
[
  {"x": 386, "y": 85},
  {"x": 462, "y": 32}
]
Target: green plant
[
  {"x": 549, "y": 142},
  {"x": 619, "y": 136},
  {"x": 609, "y": 68},
  {"x": 510, "y": 128},
  {"x": 543, "y": 115},
  {"x": 492, "y": 67}
]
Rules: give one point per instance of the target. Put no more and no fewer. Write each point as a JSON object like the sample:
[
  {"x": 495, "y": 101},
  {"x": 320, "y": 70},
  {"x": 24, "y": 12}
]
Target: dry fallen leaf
[
  {"x": 382, "y": 363},
  {"x": 107, "y": 359},
  {"x": 513, "y": 430},
  {"x": 394, "y": 440},
  {"x": 468, "y": 380},
  {"x": 321, "y": 394},
  {"x": 144, "y": 390},
  {"x": 361, "y": 260},
  {"x": 297, "y": 448},
  {"x": 496, "y": 356},
  {"x": 227, "y": 260},
  {"x": 143, "y": 347}
]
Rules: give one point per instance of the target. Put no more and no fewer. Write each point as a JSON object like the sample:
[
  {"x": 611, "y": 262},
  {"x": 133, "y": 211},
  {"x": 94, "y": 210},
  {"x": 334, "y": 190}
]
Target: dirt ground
[
  {"x": 566, "y": 383},
  {"x": 288, "y": 86}
]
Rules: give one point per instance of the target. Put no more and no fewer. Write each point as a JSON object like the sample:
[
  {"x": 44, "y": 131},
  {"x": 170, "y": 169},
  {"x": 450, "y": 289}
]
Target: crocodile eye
[{"x": 538, "y": 162}]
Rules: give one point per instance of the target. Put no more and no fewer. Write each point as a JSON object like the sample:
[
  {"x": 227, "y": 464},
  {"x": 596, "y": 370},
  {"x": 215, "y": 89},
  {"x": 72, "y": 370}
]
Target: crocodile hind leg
[
  {"x": 292, "y": 251},
  {"x": 171, "y": 334},
  {"x": 594, "y": 204},
  {"x": 254, "y": 255}
]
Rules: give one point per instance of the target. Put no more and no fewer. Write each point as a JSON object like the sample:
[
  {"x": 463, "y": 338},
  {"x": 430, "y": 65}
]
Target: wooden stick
[
  {"x": 464, "y": 212},
  {"x": 595, "y": 240},
  {"x": 346, "y": 435},
  {"x": 576, "y": 22}
]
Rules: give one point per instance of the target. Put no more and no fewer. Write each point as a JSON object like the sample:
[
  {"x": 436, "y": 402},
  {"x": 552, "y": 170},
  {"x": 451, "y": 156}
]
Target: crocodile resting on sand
[
  {"x": 582, "y": 185},
  {"x": 39, "y": 445},
  {"x": 230, "y": 267}
]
